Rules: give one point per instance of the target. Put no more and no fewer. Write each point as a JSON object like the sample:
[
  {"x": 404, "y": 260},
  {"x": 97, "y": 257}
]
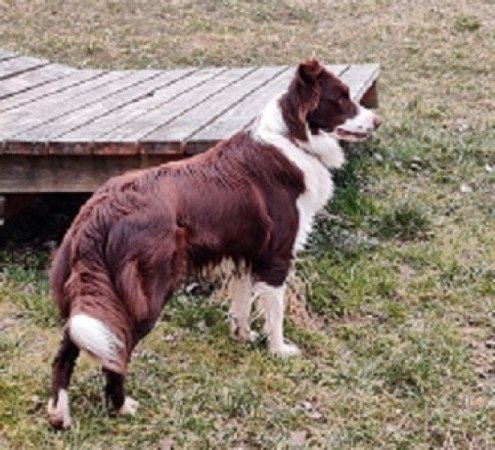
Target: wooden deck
[{"x": 67, "y": 130}]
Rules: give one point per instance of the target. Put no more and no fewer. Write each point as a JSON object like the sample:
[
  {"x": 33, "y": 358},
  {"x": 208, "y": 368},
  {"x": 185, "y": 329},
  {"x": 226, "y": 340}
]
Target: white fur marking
[
  {"x": 271, "y": 129},
  {"x": 92, "y": 335},
  {"x": 327, "y": 148},
  {"x": 361, "y": 123},
  {"x": 241, "y": 293},
  {"x": 129, "y": 408},
  {"x": 271, "y": 302},
  {"x": 59, "y": 415}
]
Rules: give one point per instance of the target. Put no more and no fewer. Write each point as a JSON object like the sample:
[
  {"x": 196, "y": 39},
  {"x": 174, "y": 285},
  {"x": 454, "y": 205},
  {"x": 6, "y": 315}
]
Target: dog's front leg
[{"x": 271, "y": 303}]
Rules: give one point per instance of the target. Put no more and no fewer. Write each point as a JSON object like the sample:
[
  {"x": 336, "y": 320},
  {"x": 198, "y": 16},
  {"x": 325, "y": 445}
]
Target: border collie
[{"x": 250, "y": 199}]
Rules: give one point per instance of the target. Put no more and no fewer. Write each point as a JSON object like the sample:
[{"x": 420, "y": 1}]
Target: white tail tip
[{"x": 94, "y": 337}]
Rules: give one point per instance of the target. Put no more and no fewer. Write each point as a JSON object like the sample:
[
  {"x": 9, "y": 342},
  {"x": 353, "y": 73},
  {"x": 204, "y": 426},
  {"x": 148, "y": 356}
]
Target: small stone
[
  {"x": 378, "y": 158},
  {"x": 465, "y": 188},
  {"x": 488, "y": 168}
]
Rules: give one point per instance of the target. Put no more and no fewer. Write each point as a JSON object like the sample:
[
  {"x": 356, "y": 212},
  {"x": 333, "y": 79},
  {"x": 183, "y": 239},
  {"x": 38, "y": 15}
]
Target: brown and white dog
[{"x": 251, "y": 200}]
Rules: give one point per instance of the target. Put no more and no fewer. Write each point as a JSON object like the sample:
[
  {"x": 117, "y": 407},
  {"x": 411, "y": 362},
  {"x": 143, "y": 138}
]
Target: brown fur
[{"x": 133, "y": 241}]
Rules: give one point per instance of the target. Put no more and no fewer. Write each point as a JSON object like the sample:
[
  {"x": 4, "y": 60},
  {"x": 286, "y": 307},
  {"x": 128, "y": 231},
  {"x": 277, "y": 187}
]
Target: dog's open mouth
[{"x": 351, "y": 135}]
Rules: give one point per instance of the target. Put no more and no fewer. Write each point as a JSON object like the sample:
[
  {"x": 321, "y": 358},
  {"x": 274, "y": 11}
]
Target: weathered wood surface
[
  {"x": 11, "y": 67},
  {"x": 60, "y": 173},
  {"x": 5, "y": 54},
  {"x": 50, "y": 113}
]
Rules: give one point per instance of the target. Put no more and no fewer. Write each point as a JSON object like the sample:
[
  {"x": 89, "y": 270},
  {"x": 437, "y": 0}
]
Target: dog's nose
[{"x": 377, "y": 121}]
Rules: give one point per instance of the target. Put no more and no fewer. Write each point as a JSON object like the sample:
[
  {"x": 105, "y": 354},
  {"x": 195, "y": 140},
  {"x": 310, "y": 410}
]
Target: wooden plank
[
  {"x": 123, "y": 117},
  {"x": 337, "y": 69},
  {"x": 33, "y": 78},
  {"x": 150, "y": 121},
  {"x": 50, "y": 88},
  {"x": 370, "y": 97},
  {"x": 14, "y": 66},
  {"x": 65, "y": 123},
  {"x": 18, "y": 122},
  {"x": 5, "y": 54},
  {"x": 359, "y": 78},
  {"x": 178, "y": 130},
  {"x": 243, "y": 113},
  {"x": 44, "y": 174}
]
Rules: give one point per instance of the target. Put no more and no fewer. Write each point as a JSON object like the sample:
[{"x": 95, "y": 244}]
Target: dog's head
[{"x": 318, "y": 100}]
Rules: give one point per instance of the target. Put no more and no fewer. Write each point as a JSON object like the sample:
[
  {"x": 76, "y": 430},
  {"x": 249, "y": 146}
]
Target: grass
[{"x": 400, "y": 270}]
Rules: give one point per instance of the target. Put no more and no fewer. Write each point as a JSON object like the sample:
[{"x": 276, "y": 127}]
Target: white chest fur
[{"x": 271, "y": 129}]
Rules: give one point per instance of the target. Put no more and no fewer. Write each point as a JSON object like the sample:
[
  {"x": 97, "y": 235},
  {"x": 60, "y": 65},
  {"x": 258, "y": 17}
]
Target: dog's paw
[
  {"x": 285, "y": 350},
  {"x": 59, "y": 415},
  {"x": 129, "y": 408}
]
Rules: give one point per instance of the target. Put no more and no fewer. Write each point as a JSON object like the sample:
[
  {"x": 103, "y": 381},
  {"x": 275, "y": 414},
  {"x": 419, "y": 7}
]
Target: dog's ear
[
  {"x": 308, "y": 74},
  {"x": 309, "y": 71},
  {"x": 301, "y": 98}
]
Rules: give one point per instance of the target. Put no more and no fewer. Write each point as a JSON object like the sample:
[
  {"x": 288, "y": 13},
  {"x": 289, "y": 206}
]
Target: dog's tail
[
  {"x": 59, "y": 274},
  {"x": 93, "y": 336},
  {"x": 81, "y": 286}
]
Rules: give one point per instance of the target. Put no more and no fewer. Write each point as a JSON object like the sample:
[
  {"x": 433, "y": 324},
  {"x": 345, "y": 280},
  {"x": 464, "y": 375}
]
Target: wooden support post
[
  {"x": 370, "y": 97},
  {"x": 3, "y": 205}
]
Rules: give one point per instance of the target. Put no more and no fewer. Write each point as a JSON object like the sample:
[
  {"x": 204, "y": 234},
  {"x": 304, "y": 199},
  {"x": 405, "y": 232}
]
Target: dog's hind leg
[
  {"x": 115, "y": 393},
  {"x": 63, "y": 365},
  {"x": 241, "y": 294}
]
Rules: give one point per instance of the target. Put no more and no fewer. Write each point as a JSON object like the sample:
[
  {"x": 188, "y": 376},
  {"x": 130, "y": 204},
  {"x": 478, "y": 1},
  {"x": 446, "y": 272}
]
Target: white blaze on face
[{"x": 358, "y": 127}]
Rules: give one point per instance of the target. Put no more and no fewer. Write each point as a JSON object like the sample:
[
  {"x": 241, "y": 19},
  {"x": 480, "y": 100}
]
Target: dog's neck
[{"x": 321, "y": 146}]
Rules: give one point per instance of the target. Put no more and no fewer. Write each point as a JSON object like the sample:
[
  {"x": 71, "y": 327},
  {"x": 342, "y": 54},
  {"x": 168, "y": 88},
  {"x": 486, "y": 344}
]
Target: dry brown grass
[{"x": 439, "y": 53}]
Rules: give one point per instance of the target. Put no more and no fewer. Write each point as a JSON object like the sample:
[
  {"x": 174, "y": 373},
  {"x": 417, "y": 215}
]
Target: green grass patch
[
  {"x": 405, "y": 222},
  {"x": 23, "y": 282}
]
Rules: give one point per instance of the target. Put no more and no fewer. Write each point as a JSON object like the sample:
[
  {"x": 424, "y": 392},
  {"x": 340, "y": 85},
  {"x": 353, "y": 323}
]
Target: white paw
[
  {"x": 129, "y": 408},
  {"x": 59, "y": 415},
  {"x": 285, "y": 350}
]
